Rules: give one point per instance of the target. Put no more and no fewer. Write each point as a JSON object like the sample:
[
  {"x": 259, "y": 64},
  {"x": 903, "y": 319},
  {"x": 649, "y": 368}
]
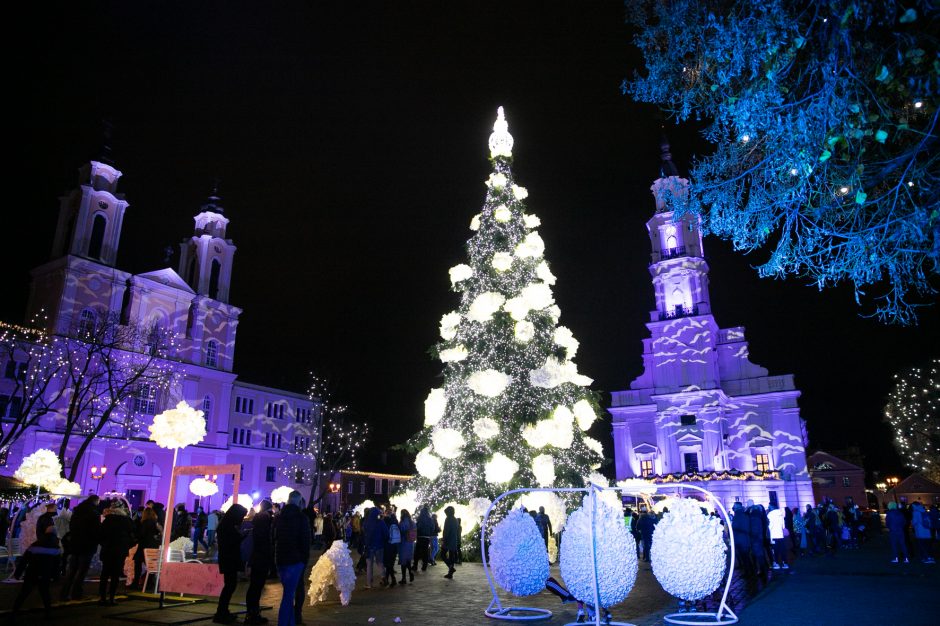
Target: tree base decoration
[{"x": 333, "y": 569}]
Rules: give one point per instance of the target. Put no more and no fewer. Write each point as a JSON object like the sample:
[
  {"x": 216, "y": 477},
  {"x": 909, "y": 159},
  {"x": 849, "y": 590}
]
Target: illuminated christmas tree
[
  {"x": 913, "y": 410},
  {"x": 513, "y": 411}
]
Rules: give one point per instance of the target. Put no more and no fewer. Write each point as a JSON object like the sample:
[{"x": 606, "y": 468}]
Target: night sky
[{"x": 351, "y": 146}]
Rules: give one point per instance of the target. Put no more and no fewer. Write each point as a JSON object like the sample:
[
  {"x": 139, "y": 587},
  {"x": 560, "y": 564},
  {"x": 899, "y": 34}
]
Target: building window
[
  {"x": 762, "y": 462},
  {"x": 272, "y": 440},
  {"x": 280, "y": 410},
  {"x": 234, "y": 435},
  {"x": 212, "y": 353},
  {"x": 145, "y": 400},
  {"x": 86, "y": 323},
  {"x": 269, "y": 409},
  {"x": 646, "y": 468},
  {"x": 378, "y": 486},
  {"x": 241, "y": 471},
  {"x": 207, "y": 409},
  {"x": 270, "y": 474},
  {"x": 349, "y": 487},
  {"x": 688, "y": 420},
  {"x": 691, "y": 461},
  {"x": 362, "y": 487},
  {"x": 845, "y": 481},
  {"x": 96, "y": 241},
  {"x": 244, "y": 405}
]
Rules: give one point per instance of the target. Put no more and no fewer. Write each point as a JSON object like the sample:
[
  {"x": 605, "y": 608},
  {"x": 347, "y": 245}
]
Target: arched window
[
  {"x": 191, "y": 273},
  {"x": 672, "y": 242},
  {"x": 212, "y": 353},
  {"x": 216, "y": 269},
  {"x": 86, "y": 323},
  {"x": 207, "y": 409},
  {"x": 95, "y": 244}
]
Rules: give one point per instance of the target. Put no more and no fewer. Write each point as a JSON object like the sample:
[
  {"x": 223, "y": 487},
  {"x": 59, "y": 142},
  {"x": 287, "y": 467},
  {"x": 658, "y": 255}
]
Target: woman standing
[
  {"x": 406, "y": 553},
  {"x": 392, "y": 544},
  {"x": 117, "y": 537},
  {"x": 230, "y": 559},
  {"x": 148, "y": 538}
]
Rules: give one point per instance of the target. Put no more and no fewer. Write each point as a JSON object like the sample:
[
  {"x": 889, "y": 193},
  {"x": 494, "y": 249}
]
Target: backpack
[{"x": 394, "y": 534}]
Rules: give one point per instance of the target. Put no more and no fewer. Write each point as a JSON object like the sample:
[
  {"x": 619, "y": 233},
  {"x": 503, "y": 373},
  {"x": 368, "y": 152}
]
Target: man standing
[
  {"x": 202, "y": 520},
  {"x": 544, "y": 525},
  {"x": 262, "y": 556},
  {"x": 451, "y": 541},
  {"x": 291, "y": 552},
  {"x": 84, "y": 528},
  {"x": 425, "y": 527}
]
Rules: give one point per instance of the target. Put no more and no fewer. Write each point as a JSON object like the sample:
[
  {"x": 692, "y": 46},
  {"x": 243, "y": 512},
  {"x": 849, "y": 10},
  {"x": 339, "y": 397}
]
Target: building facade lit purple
[
  {"x": 701, "y": 412},
  {"x": 267, "y": 431}
]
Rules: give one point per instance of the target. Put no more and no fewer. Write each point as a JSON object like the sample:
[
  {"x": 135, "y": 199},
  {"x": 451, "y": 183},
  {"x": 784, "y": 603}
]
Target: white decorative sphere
[
  {"x": 520, "y": 193},
  {"x": 518, "y": 556},
  {"x": 500, "y": 469},
  {"x": 531, "y": 221},
  {"x": 427, "y": 464},
  {"x": 543, "y": 467},
  {"x": 502, "y": 214},
  {"x": 485, "y": 428},
  {"x": 594, "y": 445},
  {"x": 531, "y": 247},
  {"x": 179, "y": 427},
  {"x": 517, "y": 308},
  {"x": 41, "y": 468},
  {"x": 203, "y": 488},
  {"x": 497, "y": 181},
  {"x": 565, "y": 338},
  {"x": 280, "y": 494},
  {"x": 688, "y": 551},
  {"x": 544, "y": 274},
  {"x": 449, "y": 323},
  {"x": 478, "y": 506},
  {"x": 524, "y": 331},
  {"x": 459, "y": 273},
  {"x": 448, "y": 442},
  {"x": 243, "y": 499},
  {"x": 537, "y": 296},
  {"x": 488, "y": 383},
  {"x": 434, "y": 407},
  {"x": 407, "y": 500},
  {"x": 484, "y": 305},
  {"x": 615, "y": 548},
  {"x": 502, "y": 261},
  {"x": 455, "y": 354},
  {"x": 475, "y": 222},
  {"x": 584, "y": 413}
]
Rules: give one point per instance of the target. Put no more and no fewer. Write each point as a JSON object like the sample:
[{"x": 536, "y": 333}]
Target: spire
[
  {"x": 667, "y": 167},
  {"x": 212, "y": 203},
  {"x": 500, "y": 139}
]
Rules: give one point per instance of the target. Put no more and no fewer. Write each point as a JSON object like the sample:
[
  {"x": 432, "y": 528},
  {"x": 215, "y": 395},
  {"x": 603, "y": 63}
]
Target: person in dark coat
[
  {"x": 392, "y": 545},
  {"x": 451, "y": 541},
  {"x": 84, "y": 529},
  {"x": 117, "y": 537},
  {"x": 149, "y": 537},
  {"x": 199, "y": 531},
  {"x": 376, "y": 534},
  {"x": 45, "y": 520},
  {"x": 37, "y": 567},
  {"x": 757, "y": 535},
  {"x": 897, "y": 525},
  {"x": 425, "y": 528},
  {"x": 260, "y": 561},
  {"x": 230, "y": 559},
  {"x": 741, "y": 527},
  {"x": 646, "y": 525},
  {"x": 291, "y": 552},
  {"x": 544, "y": 524}
]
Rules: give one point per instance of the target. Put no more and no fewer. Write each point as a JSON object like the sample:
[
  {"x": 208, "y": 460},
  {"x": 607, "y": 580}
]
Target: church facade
[
  {"x": 266, "y": 431},
  {"x": 701, "y": 413}
]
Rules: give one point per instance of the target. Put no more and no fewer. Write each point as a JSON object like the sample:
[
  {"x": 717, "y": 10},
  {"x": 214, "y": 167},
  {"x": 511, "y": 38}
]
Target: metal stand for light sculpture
[
  {"x": 496, "y": 610},
  {"x": 724, "y": 615}
]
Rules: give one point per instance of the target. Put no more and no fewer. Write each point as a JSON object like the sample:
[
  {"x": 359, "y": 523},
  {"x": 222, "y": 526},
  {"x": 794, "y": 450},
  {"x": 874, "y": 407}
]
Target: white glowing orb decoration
[
  {"x": 243, "y": 499},
  {"x": 280, "y": 494},
  {"x": 537, "y": 296},
  {"x": 531, "y": 221},
  {"x": 460, "y": 273},
  {"x": 517, "y": 308},
  {"x": 544, "y": 274},
  {"x": 500, "y": 469},
  {"x": 500, "y": 140},
  {"x": 502, "y": 214},
  {"x": 594, "y": 445},
  {"x": 179, "y": 427},
  {"x": 41, "y": 468},
  {"x": 610, "y": 497},
  {"x": 203, "y": 488},
  {"x": 427, "y": 464},
  {"x": 406, "y": 500},
  {"x": 518, "y": 557},
  {"x": 520, "y": 193},
  {"x": 524, "y": 331},
  {"x": 335, "y": 569},
  {"x": 615, "y": 548},
  {"x": 449, "y": 323},
  {"x": 556, "y": 431},
  {"x": 636, "y": 487},
  {"x": 479, "y": 506},
  {"x": 484, "y": 305},
  {"x": 364, "y": 506},
  {"x": 497, "y": 181},
  {"x": 584, "y": 413},
  {"x": 555, "y": 373},
  {"x": 565, "y": 338},
  {"x": 447, "y": 442},
  {"x": 543, "y": 467},
  {"x": 531, "y": 247},
  {"x": 485, "y": 428},
  {"x": 488, "y": 383},
  {"x": 502, "y": 261},
  {"x": 554, "y": 506},
  {"x": 688, "y": 552},
  {"x": 65, "y": 487},
  {"x": 455, "y": 354},
  {"x": 434, "y": 407},
  {"x": 554, "y": 312},
  {"x": 475, "y": 223}
]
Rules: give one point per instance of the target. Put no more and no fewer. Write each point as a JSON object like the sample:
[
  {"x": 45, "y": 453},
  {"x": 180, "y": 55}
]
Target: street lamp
[
  {"x": 97, "y": 473},
  {"x": 892, "y": 483},
  {"x": 334, "y": 489}
]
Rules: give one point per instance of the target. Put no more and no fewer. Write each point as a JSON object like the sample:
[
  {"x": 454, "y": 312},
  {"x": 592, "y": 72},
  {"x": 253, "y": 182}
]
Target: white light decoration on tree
[
  {"x": 500, "y": 469},
  {"x": 448, "y": 442},
  {"x": 555, "y": 313},
  {"x": 565, "y": 338},
  {"x": 688, "y": 551},
  {"x": 484, "y": 305},
  {"x": 524, "y": 331},
  {"x": 594, "y": 444},
  {"x": 203, "y": 488},
  {"x": 913, "y": 410},
  {"x": 584, "y": 413},
  {"x": 335, "y": 569},
  {"x": 555, "y": 431},
  {"x": 532, "y": 247},
  {"x": 478, "y": 506},
  {"x": 502, "y": 214},
  {"x": 427, "y": 464},
  {"x": 517, "y": 555},
  {"x": 531, "y": 221},
  {"x": 449, "y": 324},
  {"x": 475, "y": 223},
  {"x": 406, "y": 500},
  {"x": 554, "y": 373},
  {"x": 434, "y": 407},
  {"x": 502, "y": 262},
  {"x": 455, "y": 354},
  {"x": 179, "y": 427},
  {"x": 460, "y": 273},
  {"x": 520, "y": 193},
  {"x": 496, "y": 181},
  {"x": 485, "y": 428},
  {"x": 41, "y": 469},
  {"x": 555, "y": 507},
  {"x": 615, "y": 548},
  {"x": 500, "y": 140},
  {"x": 517, "y": 308},
  {"x": 544, "y": 274},
  {"x": 488, "y": 383},
  {"x": 537, "y": 296},
  {"x": 280, "y": 494},
  {"x": 543, "y": 468},
  {"x": 468, "y": 520},
  {"x": 243, "y": 499}
]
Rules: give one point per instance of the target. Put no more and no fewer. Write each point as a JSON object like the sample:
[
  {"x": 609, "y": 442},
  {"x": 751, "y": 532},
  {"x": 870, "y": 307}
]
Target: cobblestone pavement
[{"x": 857, "y": 587}]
